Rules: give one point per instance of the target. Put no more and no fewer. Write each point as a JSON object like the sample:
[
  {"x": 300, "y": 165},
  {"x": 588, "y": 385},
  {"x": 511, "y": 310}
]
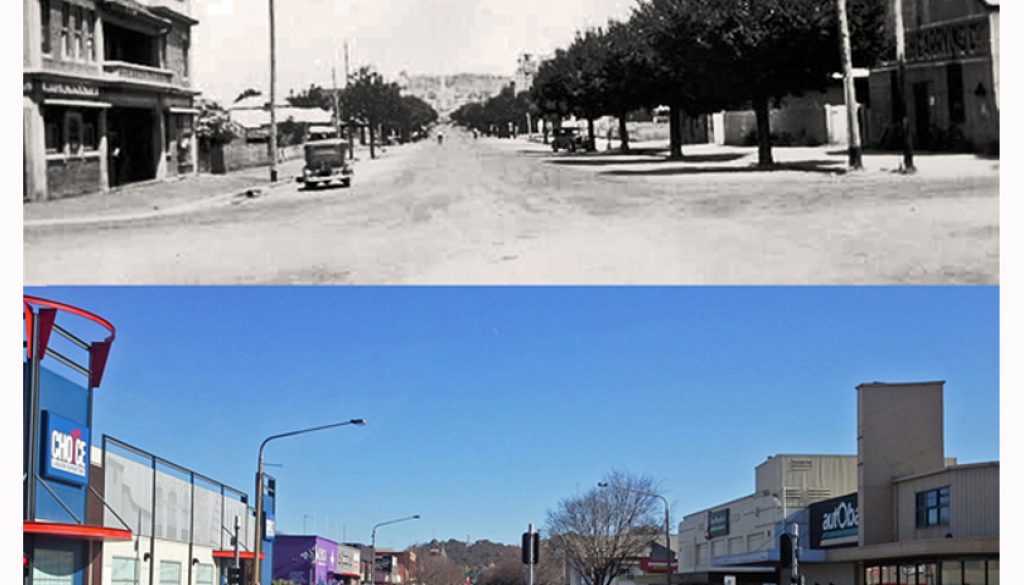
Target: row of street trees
[
  {"x": 701, "y": 56},
  {"x": 506, "y": 108},
  {"x": 371, "y": 100}
]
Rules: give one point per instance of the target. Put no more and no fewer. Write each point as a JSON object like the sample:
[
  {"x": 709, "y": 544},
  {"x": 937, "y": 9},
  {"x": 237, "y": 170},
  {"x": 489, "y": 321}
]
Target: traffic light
[
  {"x": 531, "y": 542},
  {"x": 235, "y": 576},
  {"x": 786, "y": 550}
]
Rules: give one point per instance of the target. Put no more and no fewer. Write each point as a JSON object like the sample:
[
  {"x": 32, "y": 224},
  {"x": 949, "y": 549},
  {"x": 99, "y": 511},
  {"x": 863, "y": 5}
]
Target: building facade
[
  {"x": 952, "y": 78},
  {"x": 897, "y": 513},
  {"x": 107, "y": 96}
]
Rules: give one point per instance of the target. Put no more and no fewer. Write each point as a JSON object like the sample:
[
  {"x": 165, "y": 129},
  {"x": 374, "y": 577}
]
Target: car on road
[
  {"x": 326, "y": 162},
  {"x": 567, "y": 139}
]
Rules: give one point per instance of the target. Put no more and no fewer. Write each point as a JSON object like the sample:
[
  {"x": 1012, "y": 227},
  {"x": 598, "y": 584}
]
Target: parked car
[
  {"x": 567, "y": 139},
  {"x": 326, "y": 162}
]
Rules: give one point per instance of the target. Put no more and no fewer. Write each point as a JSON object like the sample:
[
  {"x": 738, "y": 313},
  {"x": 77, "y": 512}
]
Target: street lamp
[
  {"x": 373, "y": 544},
  {"x": 668, "y": 538},
  {"x": 257, "y": 566}
]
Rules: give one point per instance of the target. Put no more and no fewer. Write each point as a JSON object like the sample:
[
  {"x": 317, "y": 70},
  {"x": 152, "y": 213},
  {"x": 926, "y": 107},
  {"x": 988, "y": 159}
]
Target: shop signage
[
  {"x": 75, "y": 89},
  {"x": 658, "y": 565},
  {"x": 954, "y": 40},
  {"x": 718, "y": 523},
  {"x": 66, "y": 449},
  {"x": 835, "y": 522}
]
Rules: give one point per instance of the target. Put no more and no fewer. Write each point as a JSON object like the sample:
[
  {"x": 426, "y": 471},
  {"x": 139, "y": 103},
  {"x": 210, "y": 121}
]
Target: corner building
[
  {"x": 107, "y": 94},
  {"x": 897, "y": 513}
]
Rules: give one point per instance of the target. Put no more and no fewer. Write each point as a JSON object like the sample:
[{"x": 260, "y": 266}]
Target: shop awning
[
  {"x": 77, "y": 531},
  {"x": 75, "y": 103},
  {"x": 230, "y": 554},
  {"x": 183, "y": 110}
]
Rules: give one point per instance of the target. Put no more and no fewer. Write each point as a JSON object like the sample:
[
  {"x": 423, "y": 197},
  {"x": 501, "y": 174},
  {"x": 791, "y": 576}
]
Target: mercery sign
[
  {"x": 835, "y": 522},
  {"x": 65, "y": 449}
]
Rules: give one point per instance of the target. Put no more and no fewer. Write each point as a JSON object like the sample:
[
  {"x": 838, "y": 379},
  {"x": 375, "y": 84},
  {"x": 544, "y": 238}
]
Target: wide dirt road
[{"x": 488, "y": 211}]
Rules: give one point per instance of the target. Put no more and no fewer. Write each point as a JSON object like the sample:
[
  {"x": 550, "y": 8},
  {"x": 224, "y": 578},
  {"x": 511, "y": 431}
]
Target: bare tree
[
  {"x": 599, "y": 530},
  {"x": 550, "y": 569},
  {"x": 437, "y": 569}
]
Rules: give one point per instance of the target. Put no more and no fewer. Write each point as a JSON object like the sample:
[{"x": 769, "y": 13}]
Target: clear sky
[
  {"x": 486, "y": 406},
  {"x": 417, "y": 36}
]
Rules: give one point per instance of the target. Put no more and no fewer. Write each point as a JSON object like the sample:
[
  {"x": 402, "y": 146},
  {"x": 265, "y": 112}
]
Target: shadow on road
[
  {"x": 615, "y": 160},
  {"x": 829, "y": 167}
]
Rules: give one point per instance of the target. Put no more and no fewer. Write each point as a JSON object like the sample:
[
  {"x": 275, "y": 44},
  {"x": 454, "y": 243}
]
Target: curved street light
[
  {"x": 373, "y": 544},
  {"x": 258, "y": 545},
  {"x": 668, "y": 538}
]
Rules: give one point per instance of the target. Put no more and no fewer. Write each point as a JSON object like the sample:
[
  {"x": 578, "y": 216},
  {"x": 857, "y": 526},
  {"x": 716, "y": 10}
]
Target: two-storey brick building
[{"x": 108, "y": 97}]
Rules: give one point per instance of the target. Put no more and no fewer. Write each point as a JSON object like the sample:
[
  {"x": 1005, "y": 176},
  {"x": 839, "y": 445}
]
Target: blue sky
[{"x": 488, "y": 405}]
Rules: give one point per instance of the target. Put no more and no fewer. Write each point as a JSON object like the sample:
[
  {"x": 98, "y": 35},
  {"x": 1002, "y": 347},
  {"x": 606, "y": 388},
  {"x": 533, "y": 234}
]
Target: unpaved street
[{"x": 488, "y": 211}]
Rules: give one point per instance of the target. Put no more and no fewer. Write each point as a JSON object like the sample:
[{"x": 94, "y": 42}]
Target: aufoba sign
[
  {"x": 835, "y": 522},
  {"x": 65, "y": 449}
]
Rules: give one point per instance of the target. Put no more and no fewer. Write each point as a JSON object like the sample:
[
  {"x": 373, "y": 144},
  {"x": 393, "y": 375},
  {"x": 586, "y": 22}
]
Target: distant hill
[
  {"x": 446, "y": 93},
  {"x": 479, "y": 554}
]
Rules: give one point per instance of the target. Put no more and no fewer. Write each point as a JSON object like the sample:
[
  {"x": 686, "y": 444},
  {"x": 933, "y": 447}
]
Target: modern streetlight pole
[
  {"x": 373, "y": 544},
  {"x": 258, "y": 532},
  {"x": 668, "y": 538}
]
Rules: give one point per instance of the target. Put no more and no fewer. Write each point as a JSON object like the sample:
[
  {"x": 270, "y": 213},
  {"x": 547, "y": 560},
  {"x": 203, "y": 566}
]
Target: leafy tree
[
  {"x": 371, "y": 99},
  {"x": 598, "y": 531},
  {"x": 213, "y": 124},
  {"x": 629, "y": 72},
  {"x": 314, "y": 97}
]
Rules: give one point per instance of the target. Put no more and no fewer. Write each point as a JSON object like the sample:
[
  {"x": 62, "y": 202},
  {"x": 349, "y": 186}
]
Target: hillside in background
[
  {"x": 479, "y": 554},
  {"x": 446, "y": 93}
]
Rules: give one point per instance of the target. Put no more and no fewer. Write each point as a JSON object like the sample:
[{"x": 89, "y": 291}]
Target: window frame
[
  {"x": 65, "y": 30},
  {"x": 933, "y": 501},
  {"x": 45, "y": 25},
  {"x": 135, "y": 571},
  {"x": 160, "y": 576}
]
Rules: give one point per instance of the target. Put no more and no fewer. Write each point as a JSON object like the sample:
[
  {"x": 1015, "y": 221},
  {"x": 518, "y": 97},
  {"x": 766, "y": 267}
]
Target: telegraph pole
[
  {"x": 337, "y": 111},
  {"x": 273, "y": 117},
  {"x": 901, "y": 75},
  {"x": 348, "y": 113},
  {"x": 849, "y": 90}
]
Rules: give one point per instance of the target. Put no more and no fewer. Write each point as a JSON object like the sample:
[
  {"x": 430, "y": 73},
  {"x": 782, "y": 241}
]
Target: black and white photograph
[{"x": 528, "y": 142}]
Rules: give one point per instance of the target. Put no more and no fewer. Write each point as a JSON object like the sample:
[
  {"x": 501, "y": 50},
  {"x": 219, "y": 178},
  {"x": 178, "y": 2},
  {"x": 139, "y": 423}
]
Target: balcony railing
[{"x": 136, "y": 72}]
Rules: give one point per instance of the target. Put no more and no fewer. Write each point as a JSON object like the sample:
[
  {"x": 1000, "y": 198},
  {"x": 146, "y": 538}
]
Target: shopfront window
[
  {"x": 54, "y": 144},
  {"x": 889, "y": 575},
  {"x": 124, "y": 571},
  {"x": 204, "y": 575},
  {"x": 933, "y": 507},
  {"x": 872, "y": 575},
  {"x": 53, "y": 567},
  {"x": 926, "y": 574},
  {"x": 955, "y": 91},
  {"x": 908, "y": 575},
  {"x": 993, "y": 572},
  {"x": 974, "y": 572},
  {"x": 170, "y": 573},
  {"x": 952, "y": 573}
]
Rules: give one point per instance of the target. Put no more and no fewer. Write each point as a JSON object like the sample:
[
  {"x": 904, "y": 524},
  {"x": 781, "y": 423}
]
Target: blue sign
[{"x": 65, "y": 449}]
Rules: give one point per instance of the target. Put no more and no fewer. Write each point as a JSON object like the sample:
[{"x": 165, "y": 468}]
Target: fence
[{"x": 225, "y": 158}]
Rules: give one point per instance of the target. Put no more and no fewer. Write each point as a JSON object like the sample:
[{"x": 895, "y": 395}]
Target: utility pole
[
  {"x": 901, "y": 75},
  {"x": 348, "y": 113},
  {"x": 531, "y": 551},
  {"x": 849, "y": 90},
  {"x": 337, "y": 110},
  {"x": 273, "y": 117}
]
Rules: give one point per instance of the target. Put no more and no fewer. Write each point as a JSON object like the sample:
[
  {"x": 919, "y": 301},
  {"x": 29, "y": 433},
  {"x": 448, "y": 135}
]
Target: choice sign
[
  {"x": 835, "y": 522},
  {"x": 65, "y": 449}
]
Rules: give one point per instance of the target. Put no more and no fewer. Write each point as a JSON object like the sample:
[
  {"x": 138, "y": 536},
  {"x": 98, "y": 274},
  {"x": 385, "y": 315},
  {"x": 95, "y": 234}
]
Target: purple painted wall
[{"x": 301, "y": 558}]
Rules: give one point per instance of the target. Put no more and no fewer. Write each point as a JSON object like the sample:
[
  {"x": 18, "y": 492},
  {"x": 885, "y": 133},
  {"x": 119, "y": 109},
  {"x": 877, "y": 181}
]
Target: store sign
[
  {"x": 718, "y": 523},
  {"x": 835, "y": 522},
  {"x": 66, "y": 449},
  {"x": 75, "y": 89},
  {"x": 658, "y": 565},
  {"x": 954, "y": 40}
]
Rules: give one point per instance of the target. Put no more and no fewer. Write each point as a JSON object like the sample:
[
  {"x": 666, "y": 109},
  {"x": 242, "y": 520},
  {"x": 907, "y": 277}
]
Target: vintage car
[
  {"x": 567, "y": 139},
  {"x": 326, "y": 162}
]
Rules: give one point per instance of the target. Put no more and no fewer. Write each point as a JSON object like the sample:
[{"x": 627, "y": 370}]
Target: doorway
[
  {"x": 130, "y": 150},
  {"x": 923, "y": 101}
]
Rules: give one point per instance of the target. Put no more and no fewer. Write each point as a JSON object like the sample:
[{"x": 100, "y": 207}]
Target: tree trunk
[
  {"x": 675, "y": 133},
  {"x": 373, "y": 153},
  {"x": 764, "y": 133},
  {"x": 623, "y": 133},
  {"x": 591, "y": 141}
]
